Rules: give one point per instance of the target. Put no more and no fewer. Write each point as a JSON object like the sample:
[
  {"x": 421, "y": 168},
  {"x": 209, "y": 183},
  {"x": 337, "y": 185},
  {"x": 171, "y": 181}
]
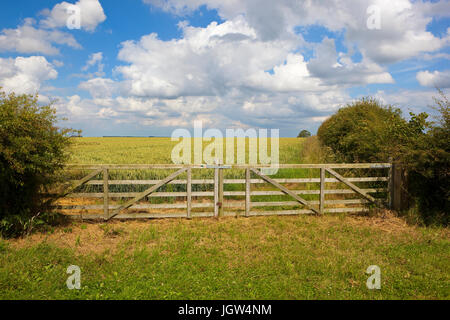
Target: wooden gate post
[
  {"x": 396, "y": 187},
  {"x": 247, "y": 192},
  {"x": 220, "y": 204},
  {"x": 391, "y": 185},
  {"x": 322, "y": 191},
  {"x": 399, "y": 196},
  {"x": 189, "y": 192},
  {"x": 216, "y": 193},
  {"x": 106, "y": 193}
]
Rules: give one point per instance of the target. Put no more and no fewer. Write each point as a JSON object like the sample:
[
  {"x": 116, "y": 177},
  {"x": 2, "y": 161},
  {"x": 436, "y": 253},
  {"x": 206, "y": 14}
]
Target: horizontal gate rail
[
  {"x": 235, "y": 181},
  {"x": 235, "y": 166},
  {"x": 240, "y": 204},
  {"x": 226, "y": 193},
  {"x": 132, "y": 216}
]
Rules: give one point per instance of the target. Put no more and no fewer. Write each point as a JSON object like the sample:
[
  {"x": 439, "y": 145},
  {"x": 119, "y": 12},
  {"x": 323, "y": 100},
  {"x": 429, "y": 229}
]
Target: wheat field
[{"x": 153, "y": 150}]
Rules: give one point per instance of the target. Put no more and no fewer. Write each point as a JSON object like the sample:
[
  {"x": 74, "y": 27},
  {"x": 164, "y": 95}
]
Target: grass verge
[{"x": 303, "y": 257}]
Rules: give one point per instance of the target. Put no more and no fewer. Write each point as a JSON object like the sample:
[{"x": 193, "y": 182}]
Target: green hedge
[
  {"x": 32, "y": 154},
  {"x": 368, "y": 131}
]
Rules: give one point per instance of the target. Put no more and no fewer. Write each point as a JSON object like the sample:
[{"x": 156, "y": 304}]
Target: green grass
[{"x": 259, "y": 258}]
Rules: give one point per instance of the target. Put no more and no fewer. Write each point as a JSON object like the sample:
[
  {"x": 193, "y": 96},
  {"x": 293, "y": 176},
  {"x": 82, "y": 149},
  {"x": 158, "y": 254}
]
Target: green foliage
[
  {"x": 367, "y": 131},
  {"x": 362, "y": 131},
  {"x": 32, "y": 154},
  {"x": 304, "y": 134},
  {"x": 427, "y": 159}
]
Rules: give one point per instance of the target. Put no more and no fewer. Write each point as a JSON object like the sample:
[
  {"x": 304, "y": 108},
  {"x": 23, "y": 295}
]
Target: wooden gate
[{"x": 214, "y": 191}]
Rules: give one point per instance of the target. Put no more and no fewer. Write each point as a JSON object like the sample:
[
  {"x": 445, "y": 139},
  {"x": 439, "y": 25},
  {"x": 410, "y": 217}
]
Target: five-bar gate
[{"x": 106, "y": 191}]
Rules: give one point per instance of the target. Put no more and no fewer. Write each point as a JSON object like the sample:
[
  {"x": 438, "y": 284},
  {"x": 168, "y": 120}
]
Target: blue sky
[{"x": 148, "y": 67}]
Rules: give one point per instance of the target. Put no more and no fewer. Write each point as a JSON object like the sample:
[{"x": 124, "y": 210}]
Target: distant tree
[
  {"x": 304, "y": 134},
  {"x": 33, "y": 150}
]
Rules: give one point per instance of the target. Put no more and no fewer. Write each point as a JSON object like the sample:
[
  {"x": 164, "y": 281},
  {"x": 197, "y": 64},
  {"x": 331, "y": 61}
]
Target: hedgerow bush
[
  {"x": 33, "y": 151},
  {"x": 362, "y": 131},
  {"x": 427, "y": 159},
  {"x": 368, "y": 131}
]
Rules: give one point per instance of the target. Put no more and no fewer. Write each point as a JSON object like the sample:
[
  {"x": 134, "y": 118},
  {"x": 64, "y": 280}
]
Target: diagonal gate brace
[
  {"x": 74, "y": 186},
  {"x": 351, "y": 185},
  {"x": 146, "y": 193},
  {"x": 285, "y": 190},
  {"x": 81, "y": 182}
]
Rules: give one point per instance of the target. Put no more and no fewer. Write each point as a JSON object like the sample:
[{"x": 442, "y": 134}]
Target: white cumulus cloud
[
  {"x": 28, "y": 39},
  {"x": 439, "y": 79},
  {"x": 403, "y": 33},
  {"x": 25, "y": 75}
]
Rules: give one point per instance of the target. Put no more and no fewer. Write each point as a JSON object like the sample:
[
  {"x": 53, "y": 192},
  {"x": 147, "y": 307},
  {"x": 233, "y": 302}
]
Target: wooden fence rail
[{"x": 296, "y": 200}]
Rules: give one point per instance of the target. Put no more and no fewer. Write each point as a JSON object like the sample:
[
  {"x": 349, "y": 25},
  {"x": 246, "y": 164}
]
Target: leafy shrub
[
  {"x": 427, "y": 159},
  {"x": 33, "y": 150},
  {"x": 362, "y": 131},
  {"x": 367, "y": 131}
]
